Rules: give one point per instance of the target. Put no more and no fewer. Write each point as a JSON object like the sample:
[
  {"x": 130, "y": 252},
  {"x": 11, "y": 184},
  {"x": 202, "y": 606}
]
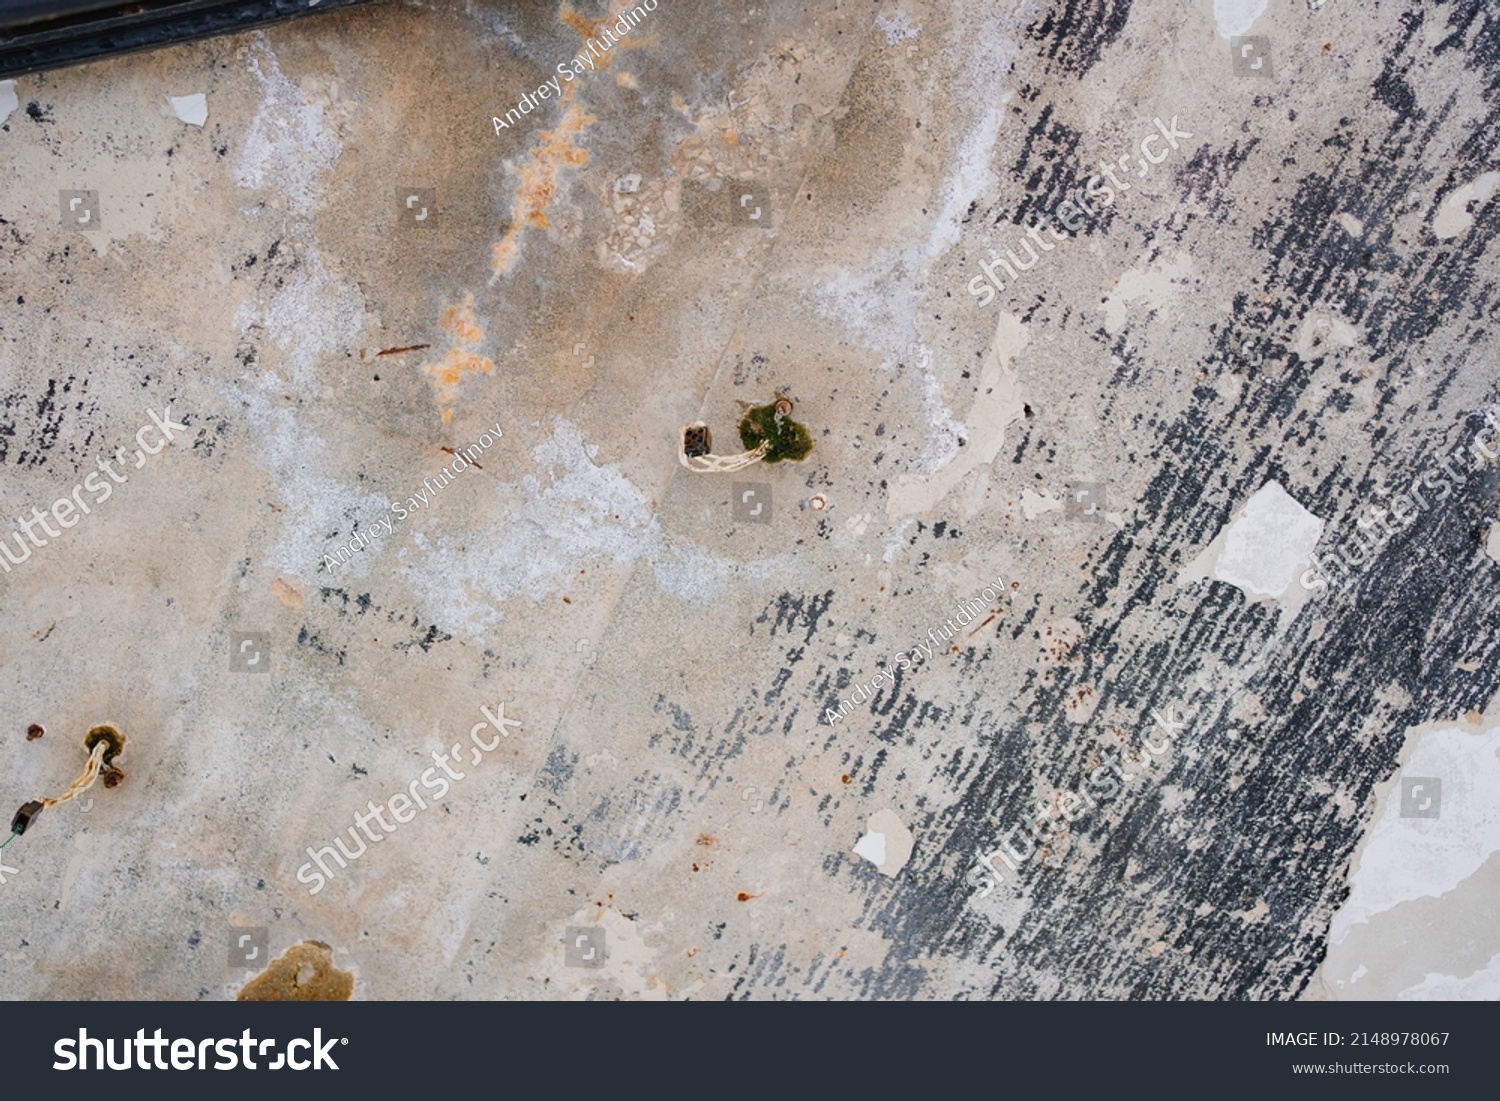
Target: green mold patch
[{"x": 785, "y": 438}]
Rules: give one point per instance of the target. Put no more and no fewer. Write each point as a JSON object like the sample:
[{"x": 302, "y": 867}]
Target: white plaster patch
[
  {"x": 192, "y": 109},
  {"x": 897, "y": 27},
  {"x": 8, "y": 100},
  {"x": 1159, "y": 285},
  {"x": 1236, "y": 17},
  {"x": 1319, "y": 330},
  {"x": 1033, "y": 504},
  {"x": 997, "y": 404},
  {"x": 571, "y": 512},
  {"x": 287, "y": 146},
  {"x": 887, "y": 843},
  {"x": 1453, "y": 215},
  {"x": 1352, "y": 225},
  {"x": 1492, "y": 542},
  {"x": 1264, "y": 546},
  {"x": 1481, "y": 986},
  {"x": 1411, "y": 858}
]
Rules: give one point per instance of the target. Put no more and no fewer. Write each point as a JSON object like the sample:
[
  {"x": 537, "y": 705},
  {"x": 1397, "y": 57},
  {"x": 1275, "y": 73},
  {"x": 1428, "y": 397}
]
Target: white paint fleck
[
  {"x": 8, "y": 100},
  {"x": 1236, "y": 17},
  {"x": 192, "y": 109},
  {"x": 887, "y": 843},
  {"x": 1033, "y": 504},
  {"x": 1352, "y": 225},
  {"x": 1453, "y": 215},
  {"x": 872, "y": 847},
  {"x": 1263, "y": 548},
  {"x": 1411, "y": 858},
  {"x": 1492, "y": 542},
  {"x": 1481, "y": 986}
]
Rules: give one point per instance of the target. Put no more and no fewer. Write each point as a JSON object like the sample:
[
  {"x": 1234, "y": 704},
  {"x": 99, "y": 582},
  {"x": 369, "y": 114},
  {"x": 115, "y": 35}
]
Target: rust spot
[
  {"x": 706, "y": 840},
  {"x": 34, "y": 731},
  {"x": 113, "y": 777},
  {"x": 399, "y": 351},
  {"x": 693, "y": 952},
  {"x": 846, "y": 777},
  {"x": 303, "y": 973},
  {"x": 1327, "y": 46},
  {"x": 745, "y": 896},
  {"x": 566, "y": 600}
]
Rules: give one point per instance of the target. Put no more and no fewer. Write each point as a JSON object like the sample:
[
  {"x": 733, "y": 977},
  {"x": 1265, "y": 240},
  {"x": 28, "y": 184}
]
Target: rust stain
[
  {"x": 745, "y": 896},
  {"x": 471, "y": 462},
  {"x": 461, "y": 359},
  {"x": 303, "y": 973},
  {"x": 555, "y": 148},
  {"x": 289, "y": 593},
  {"x": 399, "y": 351},
  {"x": 538, "y": 182},
  {"x": 34, "y": 731}
]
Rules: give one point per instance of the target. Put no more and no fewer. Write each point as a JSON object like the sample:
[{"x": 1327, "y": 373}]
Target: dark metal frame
[{"x": 36, "y": 35}]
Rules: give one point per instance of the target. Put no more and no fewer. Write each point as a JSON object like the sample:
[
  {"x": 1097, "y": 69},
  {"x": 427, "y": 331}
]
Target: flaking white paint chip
[
  {"x": 192, "y": 109},
  {"x": 1453, "y": 216},
  {"x": 1413, "y": 857},
  {"x": 1492, "y": 542},
  {"x": 1266, "y": 543},
  {"x": 1352, "y": 225},
  {"x": 8, "y": 100},
  {"x": 1482, "y": 986},
  {"x": 887, "y": 843},
  {"x": 872, "y": 847},
  {"x": 1235, "y": 17}
]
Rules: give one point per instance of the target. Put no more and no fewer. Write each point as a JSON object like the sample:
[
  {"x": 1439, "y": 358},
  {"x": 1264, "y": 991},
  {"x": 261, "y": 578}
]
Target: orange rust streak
[
  {"x": 448, "y": 372},
  {"x": 539, "y": 183}
]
